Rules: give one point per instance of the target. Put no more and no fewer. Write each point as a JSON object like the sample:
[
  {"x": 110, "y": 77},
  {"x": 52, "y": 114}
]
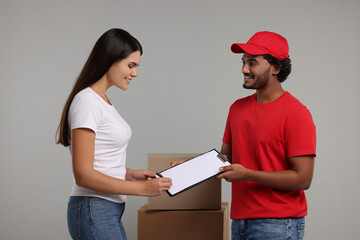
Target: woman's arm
[
  {"x": 83, "y": 146},
  {"x": 138, "y": 175}
]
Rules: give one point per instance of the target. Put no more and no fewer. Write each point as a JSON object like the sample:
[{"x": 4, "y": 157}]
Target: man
[{"x": 270, "y": 140}]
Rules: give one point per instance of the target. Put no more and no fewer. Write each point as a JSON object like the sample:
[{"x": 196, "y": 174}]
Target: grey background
[{"x": 179, "y": 103}]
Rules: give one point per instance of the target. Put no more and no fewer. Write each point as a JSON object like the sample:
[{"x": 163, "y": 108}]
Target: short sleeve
[
  {"x": 300, "y": 134},
  {"x": 84, "y": 112}
]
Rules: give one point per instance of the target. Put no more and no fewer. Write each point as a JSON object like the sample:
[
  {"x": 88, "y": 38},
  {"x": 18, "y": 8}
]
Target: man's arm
[
  {"x": 226, "y": 150},
  {"x": 298, "y": 177}
]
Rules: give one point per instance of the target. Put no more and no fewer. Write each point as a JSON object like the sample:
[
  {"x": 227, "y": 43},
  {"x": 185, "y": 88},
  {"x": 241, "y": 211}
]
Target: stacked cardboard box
[
  {"x": 194, "y": 214},
  {"x": 183, "y": 224}
]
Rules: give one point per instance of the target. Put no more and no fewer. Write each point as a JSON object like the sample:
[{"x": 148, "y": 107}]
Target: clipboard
[{"x": 194, "y": 171}]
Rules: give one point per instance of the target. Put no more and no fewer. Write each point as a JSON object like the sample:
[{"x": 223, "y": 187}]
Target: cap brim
[
  {"x": 236, "y": 48},
  {"x": 248, "y": 48}
]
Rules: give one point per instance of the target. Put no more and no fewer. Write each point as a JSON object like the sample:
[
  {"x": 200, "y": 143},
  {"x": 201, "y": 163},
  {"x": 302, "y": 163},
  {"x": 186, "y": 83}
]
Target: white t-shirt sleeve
[{"x": 84, "y": 112}]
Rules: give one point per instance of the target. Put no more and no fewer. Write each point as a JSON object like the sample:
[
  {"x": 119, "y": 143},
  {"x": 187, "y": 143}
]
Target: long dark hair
[{"x": 113, "y": 46}]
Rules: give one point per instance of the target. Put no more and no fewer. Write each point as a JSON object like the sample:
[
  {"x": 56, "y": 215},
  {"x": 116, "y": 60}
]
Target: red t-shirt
[{"x": 263, "y": 137}]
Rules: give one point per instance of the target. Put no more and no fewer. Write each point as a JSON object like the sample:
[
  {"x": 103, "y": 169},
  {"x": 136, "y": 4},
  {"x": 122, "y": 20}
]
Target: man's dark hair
[{"x": 284, "y": 65}]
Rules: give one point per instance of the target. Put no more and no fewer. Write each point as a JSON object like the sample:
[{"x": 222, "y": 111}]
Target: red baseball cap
[{"x": 264, "y": 43}]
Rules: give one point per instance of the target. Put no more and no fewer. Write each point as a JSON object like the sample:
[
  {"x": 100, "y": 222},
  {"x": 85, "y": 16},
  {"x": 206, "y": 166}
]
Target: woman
[{"x": 98, "y": 136}]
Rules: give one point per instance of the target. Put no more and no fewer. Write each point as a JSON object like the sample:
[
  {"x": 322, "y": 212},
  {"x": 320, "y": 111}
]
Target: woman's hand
[
  {"x": 156, "y": 186},
  {"x": 150, "y": 186},
  {"x": 138, "y": 175}
]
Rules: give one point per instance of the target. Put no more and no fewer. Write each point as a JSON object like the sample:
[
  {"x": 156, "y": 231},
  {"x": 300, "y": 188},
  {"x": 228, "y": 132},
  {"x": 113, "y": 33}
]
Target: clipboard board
[{"x": 194, "y": 171}]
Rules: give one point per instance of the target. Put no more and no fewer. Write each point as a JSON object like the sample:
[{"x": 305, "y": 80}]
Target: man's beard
[{"x": 259, "y": 82}]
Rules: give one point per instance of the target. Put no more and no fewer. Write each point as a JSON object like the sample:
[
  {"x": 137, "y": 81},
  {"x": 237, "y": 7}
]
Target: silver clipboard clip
[{"x": 223, "y": 157}]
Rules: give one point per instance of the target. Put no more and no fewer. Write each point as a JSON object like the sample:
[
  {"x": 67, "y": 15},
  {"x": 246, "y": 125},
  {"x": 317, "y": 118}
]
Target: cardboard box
[
  {"x": 206, "y": 195},
  {"x": 185, "y": 224}
]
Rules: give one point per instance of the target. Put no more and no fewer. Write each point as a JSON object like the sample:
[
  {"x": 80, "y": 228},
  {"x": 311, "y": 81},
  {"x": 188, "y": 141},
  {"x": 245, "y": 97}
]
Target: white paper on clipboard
[{"x": 194, "y": 171}]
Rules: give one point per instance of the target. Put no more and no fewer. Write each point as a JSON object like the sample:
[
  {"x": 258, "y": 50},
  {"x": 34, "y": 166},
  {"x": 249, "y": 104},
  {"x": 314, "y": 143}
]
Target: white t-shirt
[{"x": 112, "y": 135}]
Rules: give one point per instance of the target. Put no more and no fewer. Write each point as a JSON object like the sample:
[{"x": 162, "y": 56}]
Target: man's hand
[
  {"x": 233, "y": 173},
  {"x": 174, "y": 163}
]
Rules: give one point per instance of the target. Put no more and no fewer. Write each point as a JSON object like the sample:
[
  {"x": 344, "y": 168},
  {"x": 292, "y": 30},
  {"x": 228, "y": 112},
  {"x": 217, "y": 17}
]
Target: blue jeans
[
  {"x": 268, "y": 229},
  {"x": 92, "y": 218}
]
